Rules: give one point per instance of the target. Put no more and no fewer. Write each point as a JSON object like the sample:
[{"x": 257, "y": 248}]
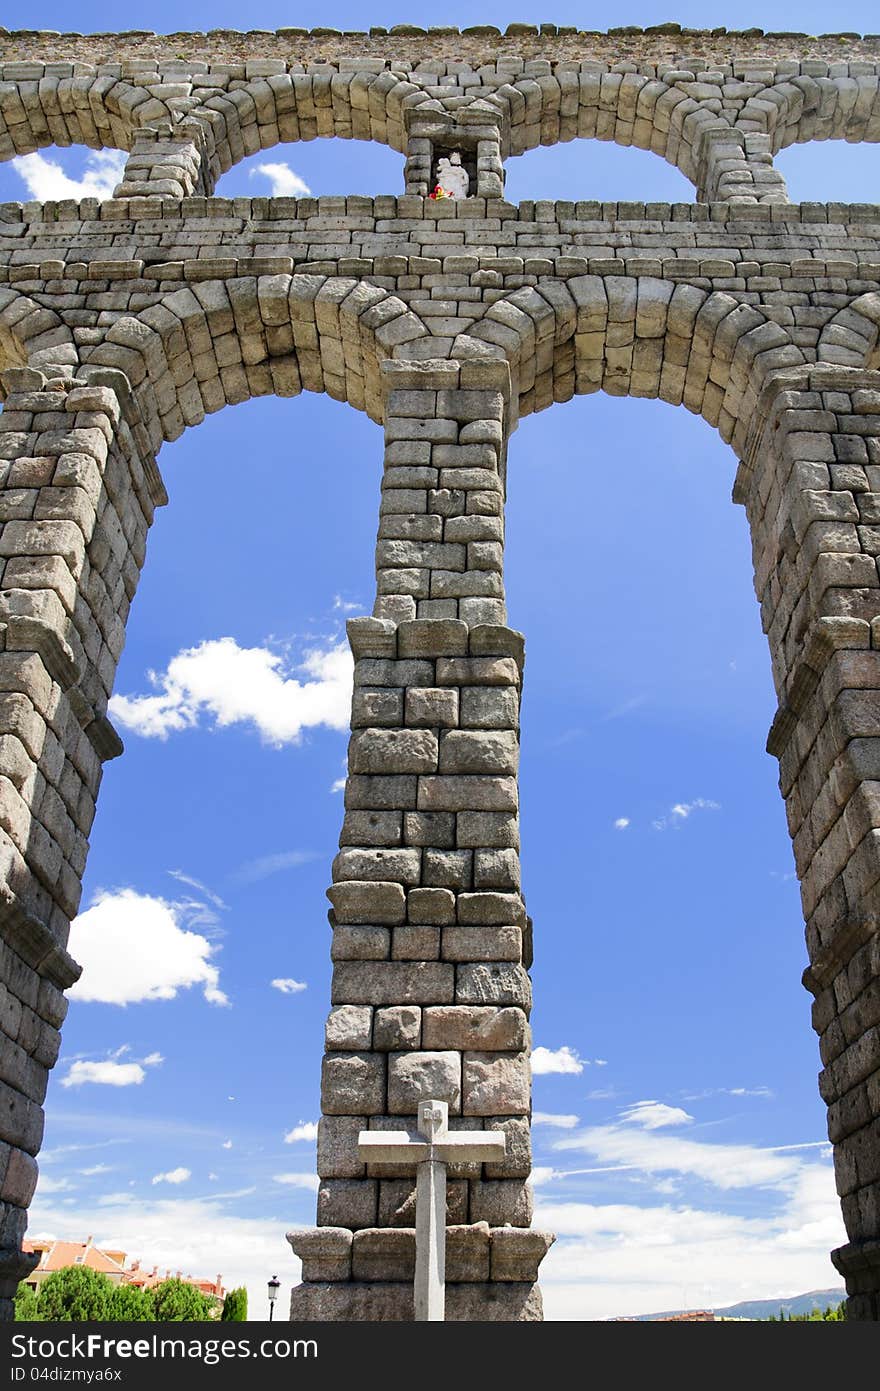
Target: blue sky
[{"x": 679, "y": 1137}]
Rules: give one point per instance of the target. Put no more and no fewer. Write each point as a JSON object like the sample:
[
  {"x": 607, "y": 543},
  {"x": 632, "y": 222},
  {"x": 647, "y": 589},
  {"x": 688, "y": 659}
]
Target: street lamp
[{"x": 274, "y": 1287}]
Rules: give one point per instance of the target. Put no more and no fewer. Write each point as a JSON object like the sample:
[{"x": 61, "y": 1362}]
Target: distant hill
[{"x": 763, "y": 1308}]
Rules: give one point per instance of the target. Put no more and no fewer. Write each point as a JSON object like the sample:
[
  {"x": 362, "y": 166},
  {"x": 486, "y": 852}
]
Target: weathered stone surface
[
  {"x": 356, "y": 902},
  {"x": 407, "y": 982},
  {"x": 325, "y": 1252},
  {"x": 498, "y": 983},
  {"x": 480, "y": 1027},
  {"x": 517, "y": 1252},
  {"x": 415, "y": 1076},
  {"x": 495, "y": 1084},
  {"x": 348, "y": 1203},
  {"x": 397, "y": 1200},
  {"x": 501, "y": 1202},
  {"x": 482, "y": 944},
  {"x": 349, "y": 1027},
  {"x": 353, "y": 1084},
  {"x": 397, "y": 1027},
  {"x": 337, "y": 1147}
]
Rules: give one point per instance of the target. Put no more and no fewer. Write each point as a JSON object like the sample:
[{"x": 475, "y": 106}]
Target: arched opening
[
  {"x": 675, "y": 1050},
  {"x": 582, "y": 170},
  {"x": 831, "y": 171},
  {"x": 232, "y": 824},
  {"x": 53, "y": 174},
  {"x": 314, "y": 168}
]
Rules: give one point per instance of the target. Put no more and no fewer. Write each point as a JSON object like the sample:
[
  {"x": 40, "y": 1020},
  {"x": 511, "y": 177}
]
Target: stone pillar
[
  {"x": 811, "y": 484},
  {"x": 431, "y": 942},
  {"x": 76, "y": 498},
  {"x": 166, "y": 162},
  {"x": 735, "y": 166}
]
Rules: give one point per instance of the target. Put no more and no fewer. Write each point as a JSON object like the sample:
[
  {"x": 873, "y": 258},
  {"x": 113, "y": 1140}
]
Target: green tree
[
  {"x": 26, "y": 1304},
  {"x": 75, "y": 1294},
  {"x": 128, "y": 1304},
  {"x": 175, "y": 1301},
  {"x": 235, "y": 1306}
]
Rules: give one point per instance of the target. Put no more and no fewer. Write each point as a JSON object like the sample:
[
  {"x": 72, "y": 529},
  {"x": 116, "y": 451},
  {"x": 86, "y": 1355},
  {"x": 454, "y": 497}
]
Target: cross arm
[
  {"x": 393, "y": 1147},
  {"x": 409, "y": 1147}
]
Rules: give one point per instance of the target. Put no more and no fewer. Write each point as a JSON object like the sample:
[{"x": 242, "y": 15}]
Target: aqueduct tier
[{"x": 124, "y": 322}]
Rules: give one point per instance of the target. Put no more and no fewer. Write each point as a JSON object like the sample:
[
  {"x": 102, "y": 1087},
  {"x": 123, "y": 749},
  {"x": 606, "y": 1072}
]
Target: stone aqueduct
[{"x": 124, "y": 322}]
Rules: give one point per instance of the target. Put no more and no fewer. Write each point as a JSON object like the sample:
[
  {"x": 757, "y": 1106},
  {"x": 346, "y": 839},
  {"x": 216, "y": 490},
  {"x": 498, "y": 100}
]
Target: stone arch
[
  {"x": 218, "y": 342},
  {"x": 289, "y": 106},
  {"x": 32, "y": 335},
  {"x": 851, "y": 337},
  {"x": 627, "y": 108},
  {"x": 802, "y": 108},
  {"x": 98, "y": 110},
  {"x": 638, "y": 336}
]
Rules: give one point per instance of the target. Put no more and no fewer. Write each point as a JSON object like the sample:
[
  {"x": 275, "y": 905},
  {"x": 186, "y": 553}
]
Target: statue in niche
[{"x": 452, "y": 177}]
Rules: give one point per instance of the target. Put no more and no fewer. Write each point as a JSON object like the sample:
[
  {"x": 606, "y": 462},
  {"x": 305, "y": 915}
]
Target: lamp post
[{"x": 274, "y": 1287}]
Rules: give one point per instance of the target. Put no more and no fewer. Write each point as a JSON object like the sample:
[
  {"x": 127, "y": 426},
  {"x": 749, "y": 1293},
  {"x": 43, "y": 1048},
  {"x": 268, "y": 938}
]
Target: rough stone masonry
[{"x": 124, "y": 322}]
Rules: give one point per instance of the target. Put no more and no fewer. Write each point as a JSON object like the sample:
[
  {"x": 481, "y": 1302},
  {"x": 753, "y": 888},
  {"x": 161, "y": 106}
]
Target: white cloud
[
  {"x": 96, "y": 1169},
  {"x": 266, "y": 865},
  {"x": 308, "y": 1181},
  {"x": 179, "y": 1175},
  {"x": 285, "y": 182},
  {"x": 153, "y": 1060},
  {"x": 621, "y": 823},
  {"x": 654, "y": 1115},
  {"x": 622, "y": 1258},
  {"x": 199, "y": 1235},
  {"x": 132, "y": 948},
  {"x": 46, "y": 181},
  {"x": 556, "y": 1122},
  {"x": 306, "y": 1130},
  {"x": 227, "y": 1145},
  {"x": 243, "y": 685},
  {"x": 288, "y": 986},
  {"x": 104, "y": 1073},
  {"x": 338, "y": 785},
  {"x": 619, "y": 1258},
  {"x": 562, "y": 1059},
  {"x": 678, "y": 814}
]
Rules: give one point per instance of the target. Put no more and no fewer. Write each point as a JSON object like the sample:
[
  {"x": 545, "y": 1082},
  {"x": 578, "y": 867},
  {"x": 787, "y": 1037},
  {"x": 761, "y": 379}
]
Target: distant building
[{"x": 55, "y": 1255}]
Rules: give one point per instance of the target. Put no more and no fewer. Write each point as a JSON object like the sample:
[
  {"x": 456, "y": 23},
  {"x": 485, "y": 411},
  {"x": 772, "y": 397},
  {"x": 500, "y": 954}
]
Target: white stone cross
[{"x": 430, "y": 1148}]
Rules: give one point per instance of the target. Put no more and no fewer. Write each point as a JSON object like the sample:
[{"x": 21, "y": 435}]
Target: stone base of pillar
[
  {"x": 491, "y": 1274},
  {"x": 356, "y": 1301},
  {"x": 859, "y": 1264}
]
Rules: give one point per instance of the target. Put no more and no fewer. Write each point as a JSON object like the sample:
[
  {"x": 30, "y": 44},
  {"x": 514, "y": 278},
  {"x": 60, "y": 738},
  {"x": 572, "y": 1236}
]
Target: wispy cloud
[
  {"x": 621, "y": 823},
  {"x": 654, "y": 1115},
  {"x": 554, "y": 1121},
  {"x": 132, "y": 948},
  {"x": 243, "y": 685},
  {"x": 287, "y": 985},
  {"x": 182, "y": 878},
  {"x": 266, "y": 865},
  {"x": 284, "y": 181},
  {"x": 46, "y": 181},
  {"x": 678, "y": 814},
  {"x": 308, "y": 1181}
]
